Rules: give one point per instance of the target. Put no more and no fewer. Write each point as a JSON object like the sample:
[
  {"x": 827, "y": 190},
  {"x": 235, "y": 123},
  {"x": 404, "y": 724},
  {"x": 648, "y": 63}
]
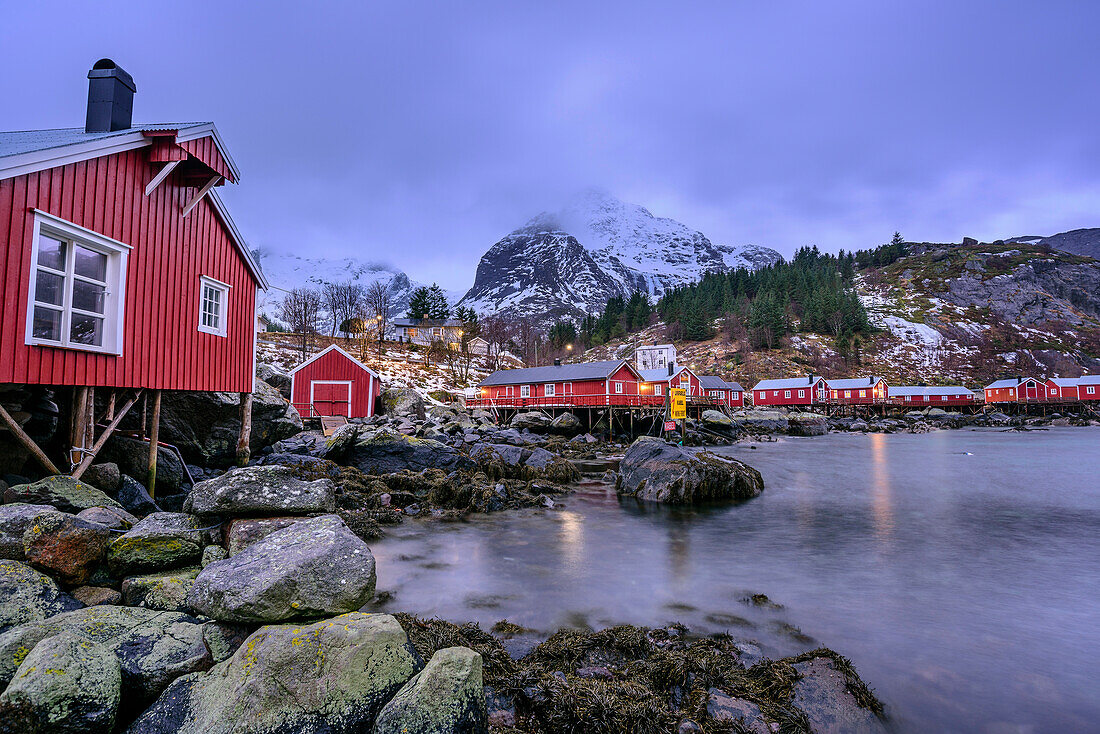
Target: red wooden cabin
[
  {"x": 809, "y": 390},
  {"x": 1063, "y": 389},
  {"x": 120, "y": 266},
  {"x": 332, "y": 382},
  {"x": 718, "y": 391},
  {"x": 1088, "y": 387},
  {"x": 658, "y": 382},
  {"x": 588, "y": 384},
  {"x": 919, "y": 396},
  {"x": 1017, "y": 390},
  {"x": 859, "y": 391}
]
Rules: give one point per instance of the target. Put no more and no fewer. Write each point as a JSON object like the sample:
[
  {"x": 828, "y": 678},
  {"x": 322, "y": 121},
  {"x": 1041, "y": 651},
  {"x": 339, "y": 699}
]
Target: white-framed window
[
  {"x": 926, "y": 398},
  {"x": 1090, "y": 390},
  {"x": 863, "y": 393},
  {"x": 847, "y": 393},
  {"x": 509, "y": 391},
  {"x": 568, "y": 388},
  {"x": 1053, "y": 391},
  {"x": 549, "y": 390},
  {"x": 77, "y": 288},
  {"x": 213, "y": 306},
  {"x": 734, "y": 395},
  {"x": 525, "y": 391},
  {"x": 658, "y": 389},
  {"x": 908, "y": 398},
  {"x": 943, "y": 397},
  {"x": 1011, "y": 391},
  {"x": 786, "y": 393},
  {"x": 763, "y": 395},
  {"x": 775, "y": 393},
  {"x": 618, "y": 388},
  {"x": 801, "y": 393}
]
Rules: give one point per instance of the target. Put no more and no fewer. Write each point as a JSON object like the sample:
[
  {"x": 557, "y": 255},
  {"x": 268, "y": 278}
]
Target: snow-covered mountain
[
  {"x": 288, "y": 271},
  {"x": 568, "y": 263}
]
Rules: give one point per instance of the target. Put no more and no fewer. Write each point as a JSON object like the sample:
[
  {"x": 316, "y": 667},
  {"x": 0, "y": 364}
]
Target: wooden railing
[{"x": 601, "y": 400}]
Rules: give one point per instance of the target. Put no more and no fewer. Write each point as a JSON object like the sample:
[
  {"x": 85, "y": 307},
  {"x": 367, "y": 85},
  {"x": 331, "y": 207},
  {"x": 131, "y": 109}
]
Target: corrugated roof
[
  {"x": 787, "y": 384},
  {"x": 30, "y": 141},
  {"x": 553, "y": 373},
  {"x": 854, "y": 383},
  {"x": 1089, "y": 380},
  {"x": 660, "y": 374},
  {"x": 1065, "y": 381},
  {"x": 1002, "y": 383},
  {"x": 917, "y": 390},
  {"x": 713, "y": 382}
]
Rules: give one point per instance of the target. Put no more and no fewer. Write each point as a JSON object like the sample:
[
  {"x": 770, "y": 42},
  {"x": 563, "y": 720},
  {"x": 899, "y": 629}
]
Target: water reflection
[{"x": 880, "y": 487}]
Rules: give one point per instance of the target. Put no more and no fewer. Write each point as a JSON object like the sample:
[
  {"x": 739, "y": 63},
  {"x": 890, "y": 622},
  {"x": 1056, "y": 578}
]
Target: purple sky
[{"x": 420, "y": 133}]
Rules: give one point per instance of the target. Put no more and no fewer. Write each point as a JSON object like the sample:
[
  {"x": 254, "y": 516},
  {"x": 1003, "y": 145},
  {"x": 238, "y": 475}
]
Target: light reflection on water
[{"x": 958, "y": 569}]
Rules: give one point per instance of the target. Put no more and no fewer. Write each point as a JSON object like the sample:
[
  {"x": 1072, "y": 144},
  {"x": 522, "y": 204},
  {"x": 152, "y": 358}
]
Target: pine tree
[{"x": 419, "y": 303}]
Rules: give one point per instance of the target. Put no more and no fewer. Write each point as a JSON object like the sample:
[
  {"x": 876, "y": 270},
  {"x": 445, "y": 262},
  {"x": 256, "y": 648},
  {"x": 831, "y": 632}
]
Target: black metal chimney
[
  {"x": 557, "y": 363},
  {"x": 110, "y": 98}
]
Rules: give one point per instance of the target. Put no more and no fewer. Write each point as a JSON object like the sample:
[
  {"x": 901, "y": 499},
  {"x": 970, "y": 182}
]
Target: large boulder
[
  {"x": 807, "y": 424},
  {"x": 64, "y": 493},
  {"x": 315, "y": 443},
  {"x": 388, "y": 452},
  {"x": 131, "y": 455},
  {"x": 153, "y": 647},
  {"x": 723, "y": 707},
  {"x": 566, "y": 424},
  {"x": 105, "y": 476},
  {"x": 313, "y": 568},
  {"x": 66, "y": 546},
  {"x": 824, "y": 695},
  {"x": 276, "y": 377},
  {"x": 243, "y": 532},
  {"x": 333, "y": 676},
  {"x": 160, "y": 541},
  {"x": 761, "y": 421},
  {"x": 135, "y": 498},
  {"x": 532, "y": 420},
  {"x": 716, "y": 420},
  {"x": 14, "y": 521},
  {"x": 261, "y": 490},
  {"x": 166, "y": 590},
  {"x": 205, "y": 425},
  {"x": 403, "y": 402},
  {"x": 27, "y": 595},
  {"x": 447, "y": 697},
  {"x": 499, "y": 460},
  {"x": 653, "y": 469},
  {"x": 66, "y": 685}
]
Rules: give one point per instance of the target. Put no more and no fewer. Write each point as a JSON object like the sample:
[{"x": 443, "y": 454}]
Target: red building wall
[
  {"x": 336, "y": 367},
  {"x": 162, "y": 346},
  {"x": 778, "y": 397},
  {"x": 1069, "y": 392}
]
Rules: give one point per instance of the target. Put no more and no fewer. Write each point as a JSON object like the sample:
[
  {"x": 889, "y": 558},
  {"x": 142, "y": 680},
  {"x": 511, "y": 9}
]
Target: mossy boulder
[
  {"x": 27, "y": 595},
  {"x": 316, "y": 567},
  {"x": 403, "y": 402},
  {"x": 64, "y": 493},
  {"x": 716, "y": 420},
  {"x": 653, "y": 469},
  {"x": 160, "y": 541},
  {"x": 446, "y": 697},
  {"x": 166, "y": 591},
  {"x": 66, "y": 546},
  {"x": 332, "y": 676},
  {"x": 153, "y": 647},
  {"x": 14, "y": 521},
  {"x": 66, "y": 685},
  {"x": 504, "y": 461},
  {"x": 261, "y": 490}
]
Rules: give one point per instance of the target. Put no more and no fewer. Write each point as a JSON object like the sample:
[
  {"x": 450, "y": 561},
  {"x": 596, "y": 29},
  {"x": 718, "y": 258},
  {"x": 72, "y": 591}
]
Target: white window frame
[
  {"x": 567, "y": 388},
  {"x": 658, "y": 390},
  {"x": 863, "y": 393},
  {"x": 114, "y": 308},
  {"x": 1090, "y": 390},
  {"x": 786, "y": 393},
  {"x": 509, "y": 392},
  {"x": 205, "y": 281},
  {"x": 549, "y": 388},
  {"x": 618, "y": 388},
  {"x": 801, "y": 393},
  {"x": 525, "y": 391}
]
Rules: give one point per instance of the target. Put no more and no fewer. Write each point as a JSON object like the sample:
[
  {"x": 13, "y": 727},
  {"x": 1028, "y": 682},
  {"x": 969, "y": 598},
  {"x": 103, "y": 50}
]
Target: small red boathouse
[{"x": 332, "y": 382}]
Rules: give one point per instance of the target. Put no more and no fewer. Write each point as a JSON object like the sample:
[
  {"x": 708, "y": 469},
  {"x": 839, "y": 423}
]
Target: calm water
[{"x": 960, "y": 571}]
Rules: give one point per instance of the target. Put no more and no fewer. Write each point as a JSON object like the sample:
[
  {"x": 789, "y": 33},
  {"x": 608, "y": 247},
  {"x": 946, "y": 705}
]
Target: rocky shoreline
[{"x": 236, "y": 602}]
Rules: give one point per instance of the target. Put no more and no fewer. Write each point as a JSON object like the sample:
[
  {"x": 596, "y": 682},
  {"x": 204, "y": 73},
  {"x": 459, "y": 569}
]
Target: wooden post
[
  {"x": 89, "y": 457},
  {"x": 243, "y": 450},
  {"x": 80, "y": 422},
  {"x": 154, "y": 435},
  {"x": 27, "y": 441},
  {"x": 111, "y": 407}
]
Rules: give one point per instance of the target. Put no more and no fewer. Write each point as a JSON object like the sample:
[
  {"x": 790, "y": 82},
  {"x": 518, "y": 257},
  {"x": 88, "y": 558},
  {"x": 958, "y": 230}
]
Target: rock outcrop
[
  {"x": 261, "y": 490},
  {"x": 160, "y": 541},
  {"x": 653, "y": 469},
  {"x": 27, "y": 595},
  {"x": 446, "y": 697},
  {"x": 387, "y": 452},
  {"x": 62, "y": 492}
]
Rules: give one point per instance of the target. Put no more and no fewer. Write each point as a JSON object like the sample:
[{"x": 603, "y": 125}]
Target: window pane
[
  {"x": 51, "y": 252},
  {"x": 48, "y": 288},
  {"x": 47, "y": 324},
  {"x": 89, "y": 296},
  {"x": 90, "y": 264},
  {"x": 86, "y": 330}
]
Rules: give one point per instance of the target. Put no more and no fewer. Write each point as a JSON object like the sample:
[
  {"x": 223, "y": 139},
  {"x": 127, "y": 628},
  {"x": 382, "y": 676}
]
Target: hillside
[{"x": 953, "y": 313}]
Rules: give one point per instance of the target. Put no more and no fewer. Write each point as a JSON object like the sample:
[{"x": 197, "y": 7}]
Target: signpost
[
  {"x": 679, "y": 404},
  {"x": 670, "y": 425}
]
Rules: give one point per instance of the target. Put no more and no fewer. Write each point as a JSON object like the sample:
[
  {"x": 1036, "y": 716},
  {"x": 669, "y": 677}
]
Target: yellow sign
[{"x": 679, "y": 403}]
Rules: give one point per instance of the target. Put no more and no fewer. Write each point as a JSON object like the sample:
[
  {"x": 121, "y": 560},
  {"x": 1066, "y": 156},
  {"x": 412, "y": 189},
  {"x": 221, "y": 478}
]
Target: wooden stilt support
[
  {"x": 111, "y": 406},
  {"x": 115, "y": 420},
  {"x": 27, "y": 441},
  {"x": 154, "y": 435},
  {"x": 80, "y": 422},
  {"x": 243, "y": 449}
]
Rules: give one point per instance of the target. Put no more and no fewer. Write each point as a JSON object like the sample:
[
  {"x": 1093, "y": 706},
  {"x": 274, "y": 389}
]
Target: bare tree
[
  {"x": 459, "y": 360},
  {"x": 497, "y": 332},
  {"x": 529, "y": 338},
  {"x": 301, "y": 310},
  {"x": 341, "y": 300},
  {"x": 378, "y": 307}
]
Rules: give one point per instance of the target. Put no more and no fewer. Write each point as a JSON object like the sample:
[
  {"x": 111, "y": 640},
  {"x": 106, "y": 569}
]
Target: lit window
[
  {"x": 213, "y": 302},
  {"x": 847, "y": 393},
  {"x": 76, "y": 293},
  {"x": 863, "y": 393}
]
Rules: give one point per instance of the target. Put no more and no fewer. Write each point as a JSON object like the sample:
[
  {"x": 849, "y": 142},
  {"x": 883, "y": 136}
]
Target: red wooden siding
[
  {"x": 207, "y": 151},
  {"x": 779, "y": 397},
  {"x": 162, "y": 346},
  {"x": 334, "y": 366}
]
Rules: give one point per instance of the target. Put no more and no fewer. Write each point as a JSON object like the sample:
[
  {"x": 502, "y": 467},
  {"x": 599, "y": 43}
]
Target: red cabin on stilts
[{"x": 332, "y": 382}]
